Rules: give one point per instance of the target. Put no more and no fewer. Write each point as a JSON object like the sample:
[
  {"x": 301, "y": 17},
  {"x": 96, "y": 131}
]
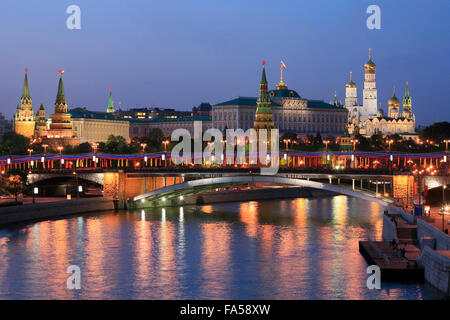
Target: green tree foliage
[
  {"x": 116, "y": 145},
  {"x": 84, "y": 147},
  {"x": 14, "y": 143},
  {"x": 437, "y": 132},
  {"x": 14, "y": 185}
]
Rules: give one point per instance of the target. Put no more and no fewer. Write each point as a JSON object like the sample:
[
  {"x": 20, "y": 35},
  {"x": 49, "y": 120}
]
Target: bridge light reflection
[
  {"x": 142, "y": 215},
  {"x": 163, "y": 215},
  {"x": 181, "y": 214}
]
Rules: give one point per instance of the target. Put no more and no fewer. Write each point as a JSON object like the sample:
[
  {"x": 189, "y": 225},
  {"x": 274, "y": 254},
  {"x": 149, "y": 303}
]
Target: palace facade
[{"x": 289, "y": 113}]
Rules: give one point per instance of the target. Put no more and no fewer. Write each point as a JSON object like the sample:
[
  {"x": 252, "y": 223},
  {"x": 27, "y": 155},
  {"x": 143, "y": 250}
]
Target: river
[{"x": 285, "y": 249}]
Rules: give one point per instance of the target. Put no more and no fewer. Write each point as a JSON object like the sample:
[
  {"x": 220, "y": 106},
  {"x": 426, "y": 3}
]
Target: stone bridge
[{"x": 133, "y": 186}]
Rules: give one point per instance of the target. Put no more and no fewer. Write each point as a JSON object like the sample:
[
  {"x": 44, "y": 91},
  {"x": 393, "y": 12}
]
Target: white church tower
[
  {"x": 351, "y": 101},
  {"x": 351, "y": 94},
  {"x": 370, "y": 91}
]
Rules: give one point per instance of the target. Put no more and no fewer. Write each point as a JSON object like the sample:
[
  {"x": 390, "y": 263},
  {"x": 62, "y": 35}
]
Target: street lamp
[
  {"x": 354, "y": 141},
  {"x": 326, "y": 144},
  {"x": 446, "y": 145},
  {"x": 286, "y": 141},
  {"x": 390, "y": 142},
  {"x": 143, "y": 146},
  {"x": 35, "y": 192},
  {"x": 60, "y": 149},
  {"x": 30, "y": 151},
  {"x": 165, "y": 143},
  {"x": 95, "y": 147},
  {"x": 45, "y": 148}
]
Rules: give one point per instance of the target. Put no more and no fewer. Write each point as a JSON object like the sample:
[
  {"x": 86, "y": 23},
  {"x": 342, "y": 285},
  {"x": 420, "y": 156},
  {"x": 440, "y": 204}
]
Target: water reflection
[{"x": 289, "y": 249}]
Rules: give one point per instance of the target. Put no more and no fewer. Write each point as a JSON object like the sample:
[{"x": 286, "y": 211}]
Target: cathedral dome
[
  {"x": 283, "y": 93},
  {"x": 380, "y": 113},
  {"x": 350, "y": 84},
  {"x": 393, "y": 100}
]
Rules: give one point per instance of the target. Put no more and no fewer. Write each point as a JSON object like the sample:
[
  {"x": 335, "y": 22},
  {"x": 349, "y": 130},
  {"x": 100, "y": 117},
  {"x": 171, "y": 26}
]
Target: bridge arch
[
  {"x": 212, "y": 183},
  {"x": 97, "y": 178}
]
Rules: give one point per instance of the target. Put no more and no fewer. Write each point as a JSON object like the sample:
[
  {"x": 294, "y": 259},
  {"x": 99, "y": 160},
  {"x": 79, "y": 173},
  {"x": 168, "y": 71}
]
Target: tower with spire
[
  {"x": 263, "y": 116},
  {"x": 351, "y": 94},
  {"x": 61, "y": 131},
  {"x": 407, "y": 104},
  {"x": 370, "y": 104},
  {"x": 24, "y": 118},
  {"x": 41, "y": 122},
  {"x": 110, "y": 108}
]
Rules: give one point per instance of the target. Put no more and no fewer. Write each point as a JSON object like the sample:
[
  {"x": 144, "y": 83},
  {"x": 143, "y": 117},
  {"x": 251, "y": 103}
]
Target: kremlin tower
[
  {"x": 263, "y": 116},
  {"x": 41, "y": 122},
  {"x": 24, "y": 118},
  {"x": 407, "y": 104},
  {"x": 61, "y": 131}
]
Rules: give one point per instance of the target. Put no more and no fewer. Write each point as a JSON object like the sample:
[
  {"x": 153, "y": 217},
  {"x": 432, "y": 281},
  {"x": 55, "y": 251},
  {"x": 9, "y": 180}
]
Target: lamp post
[
  {"x": 95, "y": 147},
  {"x": 35, "y": 192},
  {"x": 326, "y": 149},
  {"x": 60, "y": 149},
  {"x": 390, "y": 142},
  {"x": 286, "y": 141},
  {"x": 45, "y": 148},
  {"x": 143, "y": 146},
  {"x": 165, "y": 143},
  {"x": 354, "y": 141}
]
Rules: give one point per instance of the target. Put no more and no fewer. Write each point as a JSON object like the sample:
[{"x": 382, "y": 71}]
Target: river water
[{"x": 286, "y": 249}]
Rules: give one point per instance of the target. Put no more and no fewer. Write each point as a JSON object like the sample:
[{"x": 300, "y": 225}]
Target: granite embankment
[{"x": 48, "y": 210}]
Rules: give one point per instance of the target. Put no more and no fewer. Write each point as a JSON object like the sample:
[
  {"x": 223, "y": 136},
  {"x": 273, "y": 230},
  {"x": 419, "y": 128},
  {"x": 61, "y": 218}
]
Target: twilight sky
[{"x": 178, "y": 53}]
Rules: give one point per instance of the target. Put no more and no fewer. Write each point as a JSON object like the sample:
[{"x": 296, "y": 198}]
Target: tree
[
  {"x": 437, "y": 132},
  {"x": 14, "y": 143},
  {"x": 116, "y": 145},
  {"x": 84, "y": 147},
  {"x": 14, "y": 185}
]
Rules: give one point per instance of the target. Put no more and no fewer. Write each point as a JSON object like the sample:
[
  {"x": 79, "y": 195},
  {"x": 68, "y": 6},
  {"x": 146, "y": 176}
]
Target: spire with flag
[{"x": 61, "y": 95}]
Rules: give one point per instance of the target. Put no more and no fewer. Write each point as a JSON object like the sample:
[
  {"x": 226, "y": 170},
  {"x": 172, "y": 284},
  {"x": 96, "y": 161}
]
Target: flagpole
[{"x": 281, "y": 68}]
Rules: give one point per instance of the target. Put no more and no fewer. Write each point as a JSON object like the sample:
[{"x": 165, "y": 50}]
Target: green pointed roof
[
  {"x": 61, "y": 96},
  {"x": 41, "y": 107},
  {"x": 110, "y": 102},
  {"x": 407, "y": 101},
  {"x": 26, "y": 89},
  {"x": 263, "y": 77}
]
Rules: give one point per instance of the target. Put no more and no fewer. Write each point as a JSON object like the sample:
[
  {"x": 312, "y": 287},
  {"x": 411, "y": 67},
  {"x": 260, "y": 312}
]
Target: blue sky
[{"x": 178, "y": 53}]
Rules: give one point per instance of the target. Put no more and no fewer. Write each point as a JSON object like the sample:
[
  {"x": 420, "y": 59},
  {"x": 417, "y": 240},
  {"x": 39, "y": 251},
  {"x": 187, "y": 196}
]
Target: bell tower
[{"x": 370, "y": 99}]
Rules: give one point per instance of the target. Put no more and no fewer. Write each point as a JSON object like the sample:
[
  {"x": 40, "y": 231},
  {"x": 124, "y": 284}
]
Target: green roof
[
  {"x": 26, "y": 89},
  {"x": 370, "y": 63},
  {"x": 61, "y": 96},
  {"x": 83, "y": 113},
  {"x": 177, "y": 119},
  {"x": 319, "y": 104},
  {"x": 244, "y": 101},
  {"x": 263, "y": 77},
  {"x": 284, "y": 93}
]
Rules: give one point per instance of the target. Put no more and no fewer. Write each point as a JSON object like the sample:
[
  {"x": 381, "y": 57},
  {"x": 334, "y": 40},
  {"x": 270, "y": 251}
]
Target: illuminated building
[{"x": 24, "y": 118}]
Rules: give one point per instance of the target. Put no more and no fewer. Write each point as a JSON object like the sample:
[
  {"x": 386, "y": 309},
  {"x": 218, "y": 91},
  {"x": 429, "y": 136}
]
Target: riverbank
[
  {"x": 425, "y": 247},
  {"x": 48, "y": 210}
]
